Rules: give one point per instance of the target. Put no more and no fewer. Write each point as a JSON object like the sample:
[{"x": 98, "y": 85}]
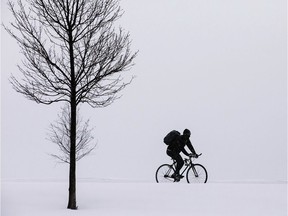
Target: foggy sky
[{"x": 215, "y": 67}]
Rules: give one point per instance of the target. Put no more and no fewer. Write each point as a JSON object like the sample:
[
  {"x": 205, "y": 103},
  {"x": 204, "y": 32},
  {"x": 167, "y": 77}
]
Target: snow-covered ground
[{"x": 34, "y": 198}]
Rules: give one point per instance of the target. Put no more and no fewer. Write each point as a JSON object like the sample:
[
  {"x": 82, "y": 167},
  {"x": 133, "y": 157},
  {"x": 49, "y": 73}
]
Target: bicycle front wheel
[
  {"x": 197, "y": 174},
  {"x": 163, "y": 174}
]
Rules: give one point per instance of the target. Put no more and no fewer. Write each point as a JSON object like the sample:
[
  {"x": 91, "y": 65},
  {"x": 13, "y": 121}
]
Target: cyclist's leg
[
  {"x": 179, "y": 161},
  {"x": 177, "y": 157}
]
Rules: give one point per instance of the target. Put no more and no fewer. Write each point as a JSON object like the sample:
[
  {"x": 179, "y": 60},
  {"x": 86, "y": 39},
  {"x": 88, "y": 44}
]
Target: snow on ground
[{"x": 144, "y": 199}]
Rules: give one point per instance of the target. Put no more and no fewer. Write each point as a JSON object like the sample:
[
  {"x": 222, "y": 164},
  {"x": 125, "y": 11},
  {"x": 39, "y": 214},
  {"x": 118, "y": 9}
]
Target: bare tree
[
  {"x": 60, "y": 135},
  {"x": 72, "y": 54}
]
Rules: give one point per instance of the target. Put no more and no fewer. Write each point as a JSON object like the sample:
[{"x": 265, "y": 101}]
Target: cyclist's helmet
[{"x": 186, "y": 133}]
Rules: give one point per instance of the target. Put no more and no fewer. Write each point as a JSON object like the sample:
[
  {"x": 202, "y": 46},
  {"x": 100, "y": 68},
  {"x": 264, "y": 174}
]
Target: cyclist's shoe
[
  {"x": 174, "y": 175},
  {"x": 177, "y": 176},
  {"x": 176, "y": 179}
]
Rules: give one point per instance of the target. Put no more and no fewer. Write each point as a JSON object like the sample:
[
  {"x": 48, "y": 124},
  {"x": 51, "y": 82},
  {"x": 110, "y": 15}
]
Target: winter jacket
[{"x": 179, "y": 146}]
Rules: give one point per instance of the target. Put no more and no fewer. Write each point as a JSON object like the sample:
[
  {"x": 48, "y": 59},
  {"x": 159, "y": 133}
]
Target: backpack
[{"x": 171, "y": 137}]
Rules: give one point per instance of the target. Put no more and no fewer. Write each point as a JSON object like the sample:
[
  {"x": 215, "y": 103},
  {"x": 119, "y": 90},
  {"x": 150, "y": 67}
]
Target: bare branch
[
  {"x": 73, "y": 53},
  {"x": 99, "y": 52},
  {"x": 59, "y": 134}
]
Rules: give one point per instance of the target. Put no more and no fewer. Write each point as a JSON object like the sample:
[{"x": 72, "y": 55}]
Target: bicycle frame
[
  {"x": 190, "y": 169},
  {"x": 187, "y": 163}
]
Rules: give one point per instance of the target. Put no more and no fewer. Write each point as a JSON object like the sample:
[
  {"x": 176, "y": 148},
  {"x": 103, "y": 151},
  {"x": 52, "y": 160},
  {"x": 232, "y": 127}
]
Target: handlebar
[{"x": 193, "y": 156}]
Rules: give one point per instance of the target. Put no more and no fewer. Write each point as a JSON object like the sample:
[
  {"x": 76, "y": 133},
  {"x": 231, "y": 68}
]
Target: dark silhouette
[
  {"x": 176, "y": 147},
  {"x": 73, "y": 54}
]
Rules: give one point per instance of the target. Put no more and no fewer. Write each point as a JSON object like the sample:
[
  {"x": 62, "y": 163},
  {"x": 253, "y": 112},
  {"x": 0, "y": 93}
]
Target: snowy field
[{"x": 147, "y": 199}]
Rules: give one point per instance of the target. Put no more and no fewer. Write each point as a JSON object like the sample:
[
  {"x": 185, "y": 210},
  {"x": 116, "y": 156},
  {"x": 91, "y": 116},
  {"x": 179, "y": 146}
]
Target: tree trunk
[{"x": 72, "y": 174}]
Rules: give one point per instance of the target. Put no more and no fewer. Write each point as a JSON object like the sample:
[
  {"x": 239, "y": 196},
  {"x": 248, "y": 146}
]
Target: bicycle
[{"x": 196, "y": 173}]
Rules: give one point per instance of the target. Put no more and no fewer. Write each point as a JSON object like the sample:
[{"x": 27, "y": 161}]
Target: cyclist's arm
[
  {"x": 185, "y": 152},
  {"x": 190, "y": 146}
]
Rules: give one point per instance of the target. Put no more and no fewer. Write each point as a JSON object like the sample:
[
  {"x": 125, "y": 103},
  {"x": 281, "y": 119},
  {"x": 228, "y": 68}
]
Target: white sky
[{"x": 215, "y": 67}]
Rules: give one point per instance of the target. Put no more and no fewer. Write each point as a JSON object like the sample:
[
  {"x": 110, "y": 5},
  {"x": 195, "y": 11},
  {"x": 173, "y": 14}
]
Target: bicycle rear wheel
[
  {"x": 163, "y": 174},
  {"x": 197, "y": 174}
]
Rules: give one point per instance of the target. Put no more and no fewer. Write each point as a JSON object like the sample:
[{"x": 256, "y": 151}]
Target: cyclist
[{"x": 178, "y": 146}]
